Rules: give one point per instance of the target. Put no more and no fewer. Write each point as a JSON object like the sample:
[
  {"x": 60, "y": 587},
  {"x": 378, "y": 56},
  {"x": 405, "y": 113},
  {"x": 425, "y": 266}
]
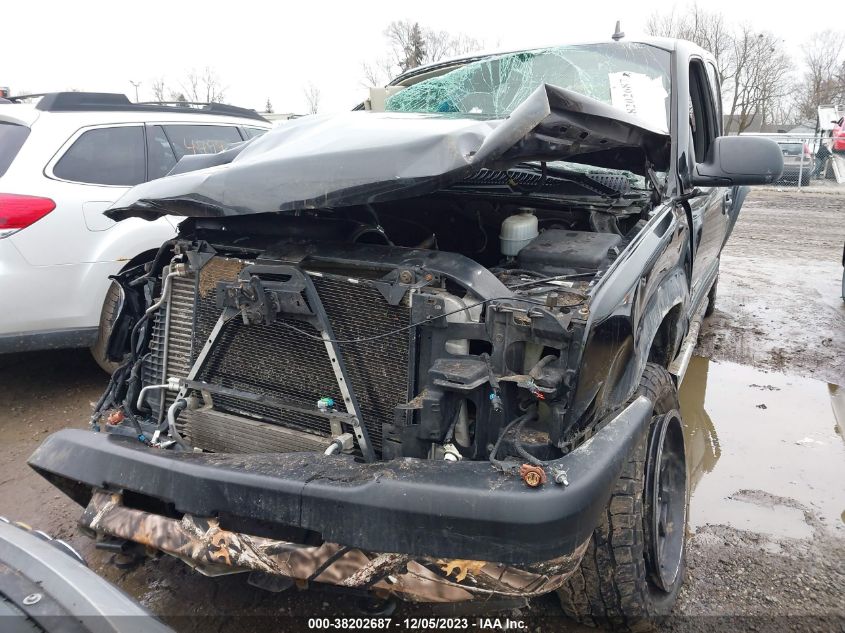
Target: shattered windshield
[{"x": 629, "y": 76}]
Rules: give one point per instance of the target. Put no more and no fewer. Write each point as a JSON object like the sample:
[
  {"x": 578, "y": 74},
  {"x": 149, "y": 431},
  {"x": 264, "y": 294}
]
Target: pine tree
[{"x": 414, "y": 49}]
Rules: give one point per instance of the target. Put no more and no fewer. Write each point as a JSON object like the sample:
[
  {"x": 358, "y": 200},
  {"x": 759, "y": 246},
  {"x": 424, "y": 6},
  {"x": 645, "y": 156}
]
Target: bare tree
[
  {"x": 312, "y": 98},
  {"x": 665, "y": 24},
  {"x": 410, "y": 45},
  {"x": 378, "y": 72},
  {"x": 823, "y": 79},
  {"x": 406, "y": 43},
  {"x": 753, "y": 67},
  {"x": 190, "y": 86},
  {"x": 159, "y": 89},
  {"x": 203, "y": 87},
  {"x": 442, "y": 45},
  {"x": 761, "y": 81},
  {"x": 707, "y": 29}
]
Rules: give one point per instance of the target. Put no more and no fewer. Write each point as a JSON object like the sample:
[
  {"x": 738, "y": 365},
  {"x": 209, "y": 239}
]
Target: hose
[
  {"x": 141, "y": 436},
  {"x": 517, "y": 444},
  {"x": 334, "y": 448},
  {"x": 132, "y": 383},
  {"x": 535, "y": 371},
  {"x": 500, "y": 464},
  {"x": 165, "y": 291},
  {"x": 451, "y": 430},
  {"x": 154, "y": 264},
  {"x": 165, "y": 295},
  {"x": 143, "y": 394},
  {"x": 108, "y": 398},
  {"x": 515, "y": 271},
  {"x": 172, "y": 413}
]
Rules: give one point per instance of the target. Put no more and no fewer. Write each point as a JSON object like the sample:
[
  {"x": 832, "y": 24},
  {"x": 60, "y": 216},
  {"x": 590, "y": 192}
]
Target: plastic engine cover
[{"x": 559, "y": 252}]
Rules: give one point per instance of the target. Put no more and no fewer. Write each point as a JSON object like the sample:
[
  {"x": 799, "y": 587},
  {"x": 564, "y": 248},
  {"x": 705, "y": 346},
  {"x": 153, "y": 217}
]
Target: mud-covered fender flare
[
  {"x": 634, "y": 336},
  {"x": 634, "y": 297},
  {"x": 672, "y": 291}
]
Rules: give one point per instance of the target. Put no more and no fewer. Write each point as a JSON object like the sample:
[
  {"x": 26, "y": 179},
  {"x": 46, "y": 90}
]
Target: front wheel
[{"x": 636, "y": 560}]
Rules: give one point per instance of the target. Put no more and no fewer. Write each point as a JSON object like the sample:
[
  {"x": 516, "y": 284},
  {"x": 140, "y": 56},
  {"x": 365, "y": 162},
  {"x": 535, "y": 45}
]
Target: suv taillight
[
  {"x": 807, "y": 151},
  {"x": 18, "y": 212}
]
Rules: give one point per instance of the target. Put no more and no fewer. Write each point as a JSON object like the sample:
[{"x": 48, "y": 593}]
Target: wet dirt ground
[
  {"x": 764, "y": 418},
  {"x": 779, "y": 300}
]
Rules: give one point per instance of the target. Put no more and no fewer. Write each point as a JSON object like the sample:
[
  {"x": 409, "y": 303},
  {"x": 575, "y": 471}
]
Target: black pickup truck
[{"x": 429, "y": 348}]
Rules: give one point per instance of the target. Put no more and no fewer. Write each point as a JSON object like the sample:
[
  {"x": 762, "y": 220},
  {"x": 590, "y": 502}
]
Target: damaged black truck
[{"x": 429, "y": 348}]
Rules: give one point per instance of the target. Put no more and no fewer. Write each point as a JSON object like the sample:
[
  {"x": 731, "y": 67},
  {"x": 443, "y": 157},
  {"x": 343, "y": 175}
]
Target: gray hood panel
[{"x": 366, "y": 157}]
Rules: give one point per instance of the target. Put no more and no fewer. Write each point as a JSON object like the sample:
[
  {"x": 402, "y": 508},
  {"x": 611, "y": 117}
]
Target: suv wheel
[
  {"x": 636, "y": 561},
  {"x": 108, "y": 316}
]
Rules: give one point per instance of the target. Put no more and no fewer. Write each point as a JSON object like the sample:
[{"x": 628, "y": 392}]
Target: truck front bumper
[{"x": 485, "y": 531}]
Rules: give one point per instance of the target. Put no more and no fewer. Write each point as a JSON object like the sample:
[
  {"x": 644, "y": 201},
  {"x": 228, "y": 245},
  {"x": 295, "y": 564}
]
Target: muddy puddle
[{"x": 765, "y": 451}]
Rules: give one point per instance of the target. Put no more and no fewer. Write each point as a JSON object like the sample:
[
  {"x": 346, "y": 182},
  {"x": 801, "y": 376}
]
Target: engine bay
[{"x": 440, "y": 327}]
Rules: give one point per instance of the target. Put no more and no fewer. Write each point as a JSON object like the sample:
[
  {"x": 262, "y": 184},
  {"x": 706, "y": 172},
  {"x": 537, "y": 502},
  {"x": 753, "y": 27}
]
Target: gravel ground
[{"x": 778, "y": 311}]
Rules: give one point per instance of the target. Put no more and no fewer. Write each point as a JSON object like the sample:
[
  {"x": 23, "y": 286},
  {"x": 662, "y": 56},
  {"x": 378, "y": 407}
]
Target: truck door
[{"x": 710, "y": 210}]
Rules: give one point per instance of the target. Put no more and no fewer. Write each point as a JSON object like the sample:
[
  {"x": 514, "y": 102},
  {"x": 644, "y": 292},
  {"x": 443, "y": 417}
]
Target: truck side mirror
[{"x": 739, "y": 160}]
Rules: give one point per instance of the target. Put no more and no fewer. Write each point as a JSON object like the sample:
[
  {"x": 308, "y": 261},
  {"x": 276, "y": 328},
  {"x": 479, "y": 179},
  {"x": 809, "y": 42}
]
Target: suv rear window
[
  {"x": 201, "y": 139},
  {"x": 252, "y": 132},
  {"x": 105, "y": 156},
  {"x": 792, "y": 149},
  {"x": 12, "y": 137},
  {"x": 166, "y": 148}
]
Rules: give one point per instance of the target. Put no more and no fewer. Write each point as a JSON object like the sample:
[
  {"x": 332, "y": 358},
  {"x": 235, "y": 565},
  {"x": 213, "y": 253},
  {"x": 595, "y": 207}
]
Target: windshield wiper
[
  {"x": 575, "y": 177},
  {"x": 531, "y": 178}
]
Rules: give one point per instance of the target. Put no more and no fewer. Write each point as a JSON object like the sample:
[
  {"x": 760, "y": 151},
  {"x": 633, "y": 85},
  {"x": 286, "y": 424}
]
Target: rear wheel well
[
  {"x": 140, "y": 258},
  {"x": 109, "y": 314},
  {"x": 663, "y": 345}
]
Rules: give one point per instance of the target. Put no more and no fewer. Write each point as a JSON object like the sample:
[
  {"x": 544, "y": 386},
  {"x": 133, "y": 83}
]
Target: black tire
[
  {"x": 108, "y": 315},
  {"x": 711, "y": 298},
  {"x": 805, "y": 179},
  {"x": 616, "y": 584}
]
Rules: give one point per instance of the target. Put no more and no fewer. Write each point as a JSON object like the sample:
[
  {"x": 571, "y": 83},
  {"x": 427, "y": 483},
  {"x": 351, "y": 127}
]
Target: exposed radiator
[
  {"x": 282, "y": 363},
  {"x": 179, "y": 345},
  {"x": 214, "y": 430}
]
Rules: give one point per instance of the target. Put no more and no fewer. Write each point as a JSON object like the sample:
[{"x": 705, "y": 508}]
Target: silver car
[{"x": 797, "y": 162}]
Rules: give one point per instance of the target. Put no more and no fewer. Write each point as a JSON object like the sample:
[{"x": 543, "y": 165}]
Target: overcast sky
[{"x": 272, "y": 50}]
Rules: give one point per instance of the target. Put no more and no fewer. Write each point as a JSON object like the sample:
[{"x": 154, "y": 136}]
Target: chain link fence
[{"x": 810, "y": 161}]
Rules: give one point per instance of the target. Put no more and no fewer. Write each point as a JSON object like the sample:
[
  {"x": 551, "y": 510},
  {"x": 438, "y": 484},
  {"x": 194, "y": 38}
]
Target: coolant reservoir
[{"x": 517, "y": 232}]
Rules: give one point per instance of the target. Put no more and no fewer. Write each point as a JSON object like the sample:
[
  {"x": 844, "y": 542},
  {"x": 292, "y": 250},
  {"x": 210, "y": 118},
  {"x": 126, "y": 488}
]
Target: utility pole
[{"x": 136, "y": 84}]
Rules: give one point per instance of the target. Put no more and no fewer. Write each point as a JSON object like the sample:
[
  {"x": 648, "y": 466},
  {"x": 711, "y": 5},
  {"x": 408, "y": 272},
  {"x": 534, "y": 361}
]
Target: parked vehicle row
[{"x": 798, "y": 162}]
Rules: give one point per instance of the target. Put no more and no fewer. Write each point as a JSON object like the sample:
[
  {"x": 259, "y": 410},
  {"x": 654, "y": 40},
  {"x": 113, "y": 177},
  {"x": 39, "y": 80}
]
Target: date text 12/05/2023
[{"x": 413, "y": 624}]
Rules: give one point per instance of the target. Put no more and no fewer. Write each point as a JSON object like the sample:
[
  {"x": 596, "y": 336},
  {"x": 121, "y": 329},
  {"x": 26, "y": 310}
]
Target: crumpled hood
[{"x": 366, "y": 157}]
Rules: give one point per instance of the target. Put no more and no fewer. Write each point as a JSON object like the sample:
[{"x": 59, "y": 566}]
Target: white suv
[{"x": 65, "y": 160}]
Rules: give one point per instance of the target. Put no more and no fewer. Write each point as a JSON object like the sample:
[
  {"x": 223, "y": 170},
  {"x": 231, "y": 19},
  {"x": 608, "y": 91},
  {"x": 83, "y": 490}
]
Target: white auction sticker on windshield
[{"x": 640, "y": 95}]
